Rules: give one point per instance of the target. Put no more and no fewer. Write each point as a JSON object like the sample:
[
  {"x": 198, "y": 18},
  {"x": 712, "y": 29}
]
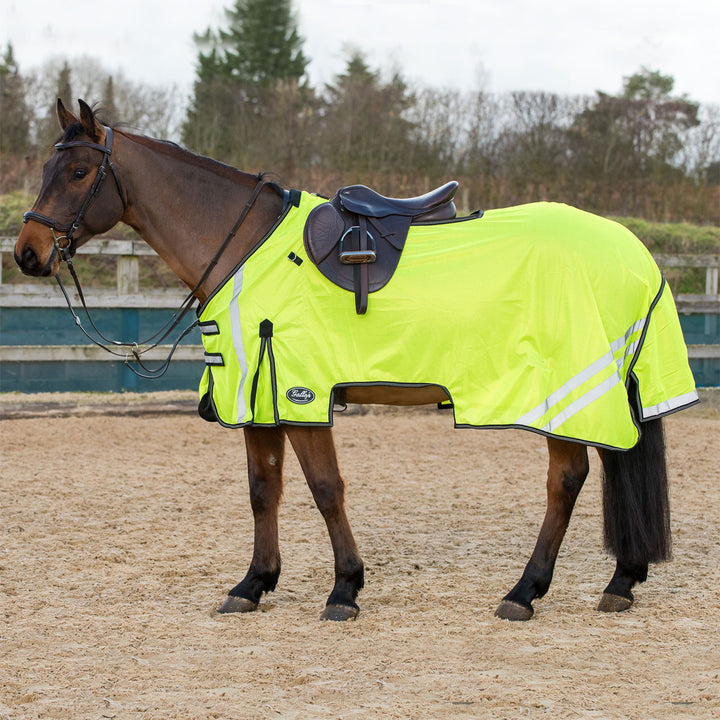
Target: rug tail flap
[{"x": 665, "y": 381}]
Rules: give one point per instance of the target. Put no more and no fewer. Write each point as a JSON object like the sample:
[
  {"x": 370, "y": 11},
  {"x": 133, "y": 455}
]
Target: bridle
[{"x": 66, "y": 251}]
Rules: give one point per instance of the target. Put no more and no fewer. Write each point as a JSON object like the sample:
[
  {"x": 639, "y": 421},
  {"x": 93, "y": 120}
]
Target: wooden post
[
  {"x": 128, "y": 275},
  {"x": 711, "y": 280}
]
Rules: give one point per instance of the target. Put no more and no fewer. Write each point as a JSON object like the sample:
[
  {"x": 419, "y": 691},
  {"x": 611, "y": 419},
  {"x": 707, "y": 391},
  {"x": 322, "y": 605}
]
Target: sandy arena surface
[{"x": 124, "y": 522}]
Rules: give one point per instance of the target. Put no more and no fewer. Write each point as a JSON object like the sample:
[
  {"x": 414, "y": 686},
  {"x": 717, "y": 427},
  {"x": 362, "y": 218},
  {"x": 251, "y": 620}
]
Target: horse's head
[{"x": 74, "y": 203}]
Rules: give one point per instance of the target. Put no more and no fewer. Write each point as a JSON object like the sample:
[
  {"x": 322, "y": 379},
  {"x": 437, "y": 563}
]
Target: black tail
[{"x": 636, "y": 505}]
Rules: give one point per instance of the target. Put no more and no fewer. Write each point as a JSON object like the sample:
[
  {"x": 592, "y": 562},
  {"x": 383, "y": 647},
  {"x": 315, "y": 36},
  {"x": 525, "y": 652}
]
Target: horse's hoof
[
  {"x": 509, "y": 610},
  {"x": 614, "y": 603},
  {"x": 234, "y": 604},
  {"x": 339, "y": 613}
]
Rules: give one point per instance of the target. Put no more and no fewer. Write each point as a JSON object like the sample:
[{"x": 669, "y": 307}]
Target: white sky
[{"x": 565, "y": 46}]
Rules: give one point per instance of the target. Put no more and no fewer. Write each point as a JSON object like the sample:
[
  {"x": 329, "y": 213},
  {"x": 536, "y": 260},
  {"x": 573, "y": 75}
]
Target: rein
[{"x": 67, "y": 250}]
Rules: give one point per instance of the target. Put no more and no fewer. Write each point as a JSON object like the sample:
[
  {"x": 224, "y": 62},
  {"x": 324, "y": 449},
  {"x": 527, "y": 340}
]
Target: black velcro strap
[{"x": 266, "y": 329}]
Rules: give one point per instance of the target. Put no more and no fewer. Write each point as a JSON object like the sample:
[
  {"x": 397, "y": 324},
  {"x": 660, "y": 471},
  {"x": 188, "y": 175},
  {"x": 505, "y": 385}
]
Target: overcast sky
[{"x": 565, "y": 46}]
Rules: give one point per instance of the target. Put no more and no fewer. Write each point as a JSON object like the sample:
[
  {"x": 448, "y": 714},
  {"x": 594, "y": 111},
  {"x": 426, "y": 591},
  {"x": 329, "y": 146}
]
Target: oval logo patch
[{"x": 300, "y": 395}]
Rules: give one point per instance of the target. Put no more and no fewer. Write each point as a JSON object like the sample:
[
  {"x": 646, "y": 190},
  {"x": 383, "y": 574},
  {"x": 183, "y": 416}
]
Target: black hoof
[
  {"x": 234, "y": 604},
  {"x": 339, "y": 613},
  {"x": 509, "y": 610},
  {"x": 614, "y": 603}
]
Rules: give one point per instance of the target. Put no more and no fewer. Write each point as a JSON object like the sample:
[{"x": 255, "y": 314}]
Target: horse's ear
[
  {"x": 64, "y": 115},
  {"x": 92, "y": 128}
]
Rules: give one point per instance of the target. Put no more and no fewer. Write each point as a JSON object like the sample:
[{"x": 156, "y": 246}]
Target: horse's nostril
[{"x": 28, "y": 259}]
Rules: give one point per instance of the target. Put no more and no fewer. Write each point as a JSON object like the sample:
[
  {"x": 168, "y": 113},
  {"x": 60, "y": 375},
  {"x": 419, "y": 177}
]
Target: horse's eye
[{"x": 79, "y": 174}]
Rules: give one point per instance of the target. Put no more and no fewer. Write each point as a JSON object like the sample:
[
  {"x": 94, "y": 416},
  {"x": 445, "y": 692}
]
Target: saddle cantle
[{"x": 356, "y": 238}]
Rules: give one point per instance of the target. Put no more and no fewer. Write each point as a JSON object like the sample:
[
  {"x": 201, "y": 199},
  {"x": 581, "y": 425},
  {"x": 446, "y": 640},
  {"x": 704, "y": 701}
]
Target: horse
[{"x": 182, "y": 204}]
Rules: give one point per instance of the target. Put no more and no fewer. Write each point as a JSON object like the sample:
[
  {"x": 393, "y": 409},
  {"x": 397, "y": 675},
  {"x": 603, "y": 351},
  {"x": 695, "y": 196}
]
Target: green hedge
[
  {"x": 674, "y": 238},
  {"x": 660, "y": 238},
  {"x": 12, "y": 208},
  {"x": 678, "y": 239}
]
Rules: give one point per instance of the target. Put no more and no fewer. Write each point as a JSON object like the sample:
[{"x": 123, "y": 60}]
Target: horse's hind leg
[
  {"x": 315, "y": 450},
  {"x": 618, "y": 594},
  {"x": 636, "y": 509},
  {"x": 265, "y": 451},
  {"x": 567, "y": 471}
]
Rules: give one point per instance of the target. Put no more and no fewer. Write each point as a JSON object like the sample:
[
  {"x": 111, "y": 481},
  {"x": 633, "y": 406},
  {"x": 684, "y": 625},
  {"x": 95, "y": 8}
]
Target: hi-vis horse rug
[{"x": 540, "y": 317}]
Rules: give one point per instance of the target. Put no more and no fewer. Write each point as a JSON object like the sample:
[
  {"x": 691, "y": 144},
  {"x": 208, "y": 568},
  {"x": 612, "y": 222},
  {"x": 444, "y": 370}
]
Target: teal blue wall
[{"x": 54, "y": 326}]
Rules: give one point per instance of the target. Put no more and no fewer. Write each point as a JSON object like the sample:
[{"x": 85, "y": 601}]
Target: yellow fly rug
[{"x": 540, "y": 317}]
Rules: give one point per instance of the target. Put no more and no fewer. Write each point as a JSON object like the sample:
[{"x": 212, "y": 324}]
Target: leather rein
[{"x": 66, "y": 246}]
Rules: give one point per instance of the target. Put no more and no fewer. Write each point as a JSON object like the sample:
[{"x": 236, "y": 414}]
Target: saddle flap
[
  {"x": 393, "y": 229},
  {"x": 323, "y": 229},
  {"x": 358, "y": 252}
]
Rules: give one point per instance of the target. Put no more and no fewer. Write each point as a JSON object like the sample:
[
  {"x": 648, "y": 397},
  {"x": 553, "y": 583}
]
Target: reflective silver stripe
[
  {"x": 667, "y": 406},
  {"x": 564, "y": 390},
  {"x": 629, "y": 351},
  {"x": 583, "y": 376},
  {"x": 622, "y": 341},
  {"x": 599, "y": 390},
  {"x": 237, "y": 339},
  {"x": 582, "y": 402},
  {"x": 209, "y": 327}
]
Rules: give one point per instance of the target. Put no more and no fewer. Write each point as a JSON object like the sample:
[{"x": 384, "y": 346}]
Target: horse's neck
[{"x": 184, "y": 206}]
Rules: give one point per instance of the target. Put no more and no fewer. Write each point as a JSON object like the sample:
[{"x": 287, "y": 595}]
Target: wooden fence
[{"x": 127, "y": 294}]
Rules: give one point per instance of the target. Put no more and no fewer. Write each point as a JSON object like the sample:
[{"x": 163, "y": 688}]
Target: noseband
[
  {"x": 133, "y": 351},
  {"x": 67, "y": 250}
]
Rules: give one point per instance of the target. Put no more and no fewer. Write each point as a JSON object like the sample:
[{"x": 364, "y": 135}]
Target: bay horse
[{"x": 182, "y": 205}]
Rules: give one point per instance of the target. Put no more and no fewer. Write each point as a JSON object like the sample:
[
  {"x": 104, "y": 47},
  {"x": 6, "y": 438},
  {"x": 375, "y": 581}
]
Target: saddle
[{"x": 356, "y": 239}]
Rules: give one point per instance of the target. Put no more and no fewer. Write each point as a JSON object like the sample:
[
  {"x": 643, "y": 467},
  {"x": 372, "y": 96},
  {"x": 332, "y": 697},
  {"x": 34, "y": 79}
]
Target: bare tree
[{"x": 155, "y": 110}]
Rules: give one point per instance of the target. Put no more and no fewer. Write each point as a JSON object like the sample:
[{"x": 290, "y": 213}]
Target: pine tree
[
  {"x": 47, "y": 125},
  {"x": 244, "y": 73},
  {"x": 109, "y": 110},
  {"x": 14, "y": 114},
  {"x": 262, "y": 45},
  {"x": 365, "y": 125},
  {"x": 64, "y": 86}
]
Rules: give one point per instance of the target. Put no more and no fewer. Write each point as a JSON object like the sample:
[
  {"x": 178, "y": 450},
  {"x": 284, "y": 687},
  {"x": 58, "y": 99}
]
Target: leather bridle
[
  {"x": 67, "y": 250},
  {"x": 130, "y": 351}
]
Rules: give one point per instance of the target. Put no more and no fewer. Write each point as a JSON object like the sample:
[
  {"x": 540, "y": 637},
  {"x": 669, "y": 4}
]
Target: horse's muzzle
[{"x": 30, "y": 263}]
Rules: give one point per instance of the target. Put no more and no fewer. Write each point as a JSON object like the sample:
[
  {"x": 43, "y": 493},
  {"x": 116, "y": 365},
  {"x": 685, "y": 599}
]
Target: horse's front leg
[
  {"x": 315, "y": 450},
  {"x": 568, "y": 468},
  {"x": 265, "y": 452}
]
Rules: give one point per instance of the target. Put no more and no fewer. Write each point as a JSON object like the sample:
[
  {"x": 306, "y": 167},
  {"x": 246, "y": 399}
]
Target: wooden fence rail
[
  {"x": 129, "y": 252},
  {"x": 127, "y": 294}
]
